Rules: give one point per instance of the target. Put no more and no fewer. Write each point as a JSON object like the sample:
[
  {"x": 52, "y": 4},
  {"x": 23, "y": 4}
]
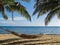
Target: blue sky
[{"x": 21, "y": 21}]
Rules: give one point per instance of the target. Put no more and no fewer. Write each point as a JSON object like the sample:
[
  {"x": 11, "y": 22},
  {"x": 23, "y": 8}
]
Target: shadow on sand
[
  {"x": 44, "y": 43},
  {"x": 8, "y": 40},
  {"x": 20, "y": 42},
  {"x": 26, "y": 36}
]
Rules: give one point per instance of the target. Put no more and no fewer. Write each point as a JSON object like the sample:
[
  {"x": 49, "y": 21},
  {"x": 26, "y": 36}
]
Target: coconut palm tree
[
  {"x": 50, "y": 6},
  {"x": 11, "y": 6},
  {"x": 16, "y": 6}
]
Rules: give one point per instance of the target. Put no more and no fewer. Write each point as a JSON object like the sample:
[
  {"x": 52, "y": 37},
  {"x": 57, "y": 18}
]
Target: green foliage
[
  {"x": 11, "y": 6},
  {"x": 5, "y": 16},
  {"x": 44, "y": 6},
  {"x": 59, "y": 14}
]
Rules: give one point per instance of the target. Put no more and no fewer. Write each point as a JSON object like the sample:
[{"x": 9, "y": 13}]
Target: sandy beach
[{"x": 9, "y": 39}]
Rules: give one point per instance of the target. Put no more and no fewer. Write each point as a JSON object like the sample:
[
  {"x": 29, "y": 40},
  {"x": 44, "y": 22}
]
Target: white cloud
[
  {"x": 21, "y": 21},
  {"x": 8, "y": 22},
  {"x": 55, "y": 23},
  {"x": 15, "y": 18},
  {"x": 18, "y": 18}
]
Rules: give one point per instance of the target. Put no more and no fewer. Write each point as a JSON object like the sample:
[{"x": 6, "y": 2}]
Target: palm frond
[
  {"x": 44, "y": 6},
  {"x": 3, "y": 12},
  {"x": 4, "y": 15},
  {"x": 51, "y": 14},
  {"x": 58, "y": 14},
  {"x": 20, "y": 9}
]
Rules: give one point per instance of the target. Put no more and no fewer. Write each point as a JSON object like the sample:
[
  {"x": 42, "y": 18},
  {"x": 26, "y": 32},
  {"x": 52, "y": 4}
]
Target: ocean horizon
[{"x": 32, "y": 29}]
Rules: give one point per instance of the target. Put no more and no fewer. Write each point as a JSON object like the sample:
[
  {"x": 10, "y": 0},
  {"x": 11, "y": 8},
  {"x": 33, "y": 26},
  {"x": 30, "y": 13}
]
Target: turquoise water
[{"x": 32, "y": 30}]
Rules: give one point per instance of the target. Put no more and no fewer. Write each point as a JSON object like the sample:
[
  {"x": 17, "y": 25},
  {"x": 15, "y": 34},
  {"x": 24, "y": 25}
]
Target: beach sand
[{"x": 9, "y": 39}]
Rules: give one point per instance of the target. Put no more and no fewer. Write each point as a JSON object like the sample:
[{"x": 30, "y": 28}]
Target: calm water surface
[{"x": 32, "y": 30}]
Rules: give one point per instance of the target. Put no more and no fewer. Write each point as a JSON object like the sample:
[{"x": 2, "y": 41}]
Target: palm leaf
[
  {"x": 3, "y": 12},
  {"x": 44, "y": 6},
  {"x": 58, "y": 14},
  {"x": 5, "y": 16},
  {"x": 20, "y": 9},
  {"x": 51, "y": 14}
]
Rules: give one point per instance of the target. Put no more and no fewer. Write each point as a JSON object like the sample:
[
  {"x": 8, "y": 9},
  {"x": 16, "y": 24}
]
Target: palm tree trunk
[{"x": 12, "y": 16}]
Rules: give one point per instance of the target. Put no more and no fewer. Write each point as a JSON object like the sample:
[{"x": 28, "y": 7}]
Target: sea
[{"x": 31, "y": 29}]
